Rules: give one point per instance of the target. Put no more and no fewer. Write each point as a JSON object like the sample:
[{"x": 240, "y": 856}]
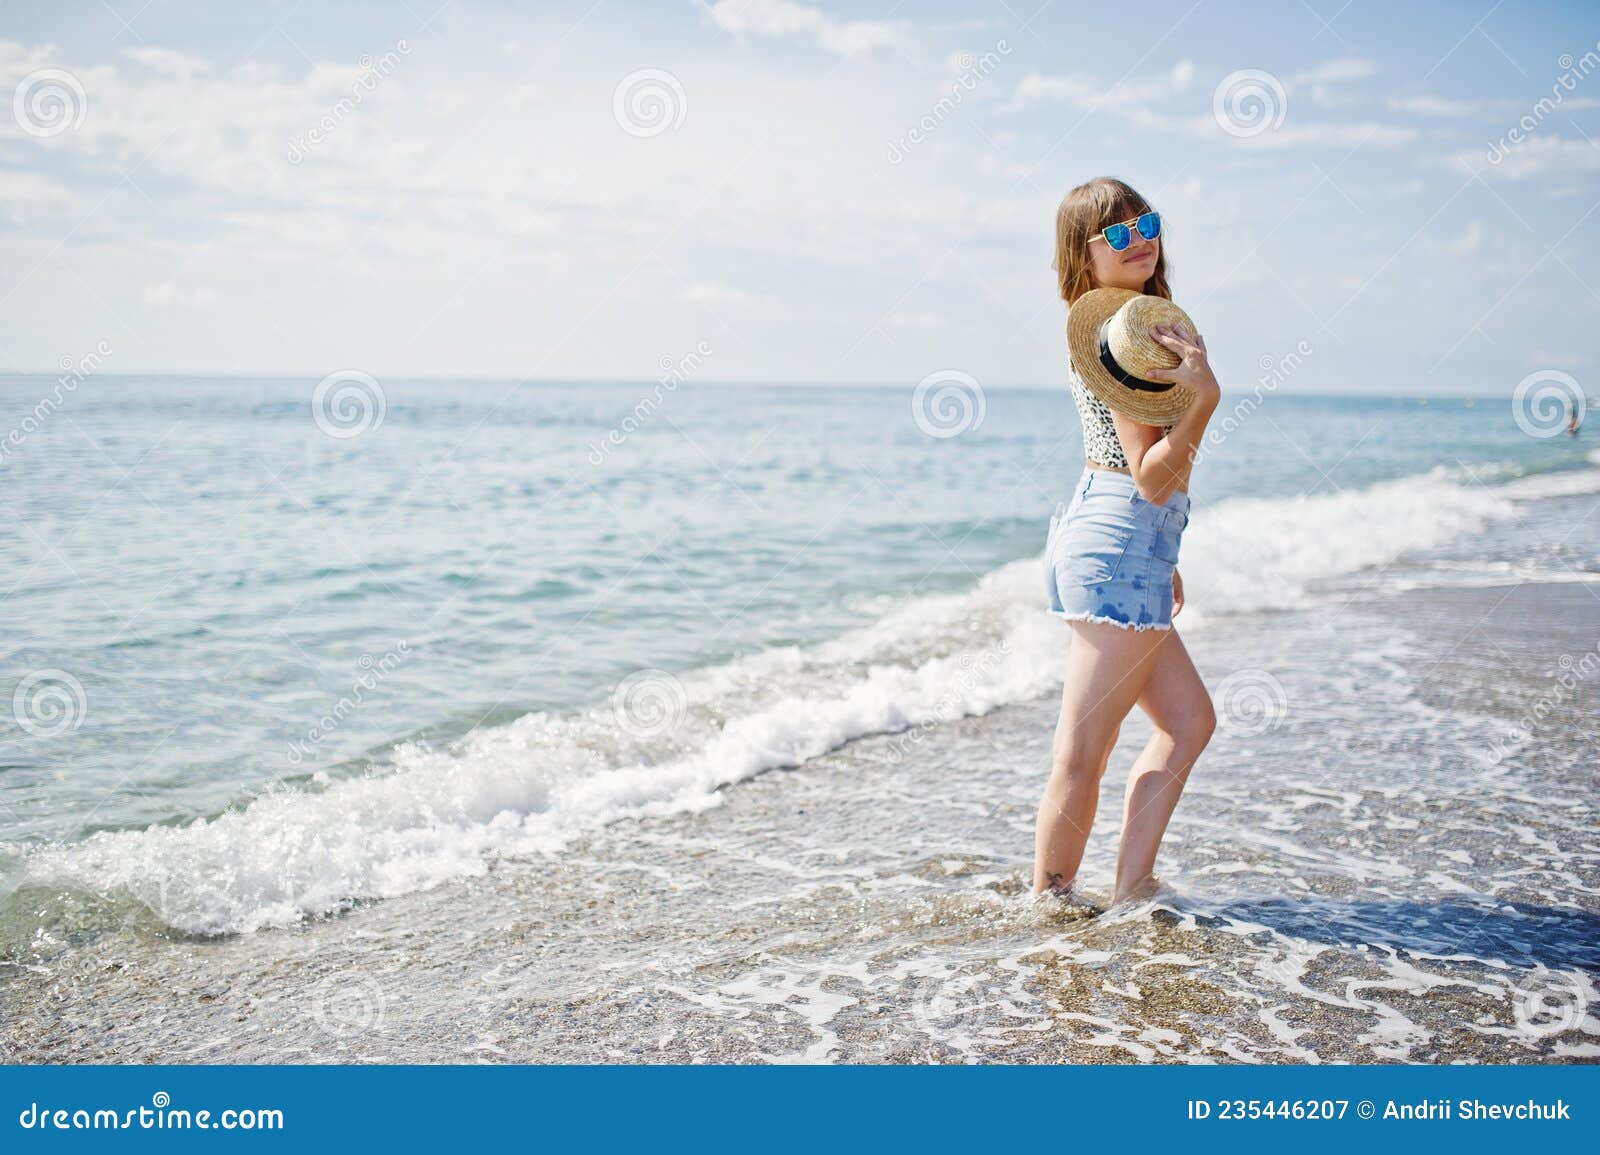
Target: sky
[{"x": 791, "y": 192}]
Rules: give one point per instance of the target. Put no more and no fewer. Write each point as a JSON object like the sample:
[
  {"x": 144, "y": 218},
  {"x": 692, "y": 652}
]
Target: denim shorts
[{"x": 1110, "y": 553}]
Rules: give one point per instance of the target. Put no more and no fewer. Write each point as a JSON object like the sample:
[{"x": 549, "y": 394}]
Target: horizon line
[{"x": 470, "y": 379}]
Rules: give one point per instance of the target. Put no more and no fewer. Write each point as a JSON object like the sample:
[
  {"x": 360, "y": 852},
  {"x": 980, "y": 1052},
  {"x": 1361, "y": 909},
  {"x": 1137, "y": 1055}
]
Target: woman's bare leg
[
  {"x": 1106, "y": 671},
  {"x": 1177, "y": 702}
]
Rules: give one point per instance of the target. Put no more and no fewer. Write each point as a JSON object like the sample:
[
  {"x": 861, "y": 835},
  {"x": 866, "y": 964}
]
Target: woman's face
[{"x": 1129, "y": 269}]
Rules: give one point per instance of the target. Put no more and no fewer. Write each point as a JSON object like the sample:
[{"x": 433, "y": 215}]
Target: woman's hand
[
  {"x": 1177, "y": 592},
  {"x": 1193, "y": 371}
]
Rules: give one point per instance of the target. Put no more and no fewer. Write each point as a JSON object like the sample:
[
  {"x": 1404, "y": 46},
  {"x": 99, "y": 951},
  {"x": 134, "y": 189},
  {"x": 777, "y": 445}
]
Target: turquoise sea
[{"x": 270, "y": 668}]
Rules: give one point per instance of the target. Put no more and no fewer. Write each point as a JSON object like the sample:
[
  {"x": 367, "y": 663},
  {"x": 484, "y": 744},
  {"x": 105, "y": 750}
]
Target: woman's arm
[{"x": 1160, "y": 464}]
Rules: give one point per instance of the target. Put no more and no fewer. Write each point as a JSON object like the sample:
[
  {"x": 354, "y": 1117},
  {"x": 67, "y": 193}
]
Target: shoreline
[{"x": 869, "y": 906}]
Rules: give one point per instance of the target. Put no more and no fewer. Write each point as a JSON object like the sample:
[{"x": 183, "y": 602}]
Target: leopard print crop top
[{"x": 1100, "y": 441}]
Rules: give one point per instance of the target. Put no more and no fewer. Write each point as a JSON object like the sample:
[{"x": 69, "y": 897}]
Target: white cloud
[
  {"x": 705, "y": 293},
  {"x": 1324, "y": 85},
  {"x": 777, "y": 19},
  {"x": 914, "y": 320},
  {"x": 1470, "y": 240},
  {"x": 1141, "y": 102},
  {"x": 1339, "y": 71},
  {"x": 1127, "y": 97},
  {"x": 471, "y": 217},
  {"x": 21, "y": 187},
  {"x": 1426, "y": 105},
  {"x": 1074, "y": 88},
  {"x": 167, "y": 294},
  {"x": 167, "y": 61},
  {"x": 1366, "y": 134}
]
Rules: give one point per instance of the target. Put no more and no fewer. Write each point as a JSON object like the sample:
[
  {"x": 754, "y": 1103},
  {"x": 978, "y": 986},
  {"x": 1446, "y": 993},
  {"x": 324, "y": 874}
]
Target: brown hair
[{"x": 1083, "y": 213}]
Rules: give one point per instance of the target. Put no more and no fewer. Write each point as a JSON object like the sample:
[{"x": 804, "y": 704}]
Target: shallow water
[
  {"x": 808, "y": 837},
  {"x": 1351, "y": 883}
]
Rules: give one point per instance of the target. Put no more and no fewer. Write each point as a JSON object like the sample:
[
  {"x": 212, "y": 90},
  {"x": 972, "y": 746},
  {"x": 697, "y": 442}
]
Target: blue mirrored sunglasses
[{"x": 1120, "y": 236}]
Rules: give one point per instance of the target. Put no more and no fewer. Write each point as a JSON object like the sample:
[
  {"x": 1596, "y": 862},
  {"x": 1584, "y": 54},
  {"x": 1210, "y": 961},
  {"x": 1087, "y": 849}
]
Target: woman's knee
[
  {"x": 1187, "y": 732},
  {"x": 1193, "y": 733},
  {"x": 1080, "y": 758}
]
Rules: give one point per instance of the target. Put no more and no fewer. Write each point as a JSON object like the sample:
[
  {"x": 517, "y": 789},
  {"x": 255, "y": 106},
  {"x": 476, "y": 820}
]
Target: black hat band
[{"x": 1117, "y": 371}]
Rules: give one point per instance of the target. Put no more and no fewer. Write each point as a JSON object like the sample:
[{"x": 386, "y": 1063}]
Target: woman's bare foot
[
  {"x": 1141, "y": 889},
  {"x": 1069, "y": 899}
]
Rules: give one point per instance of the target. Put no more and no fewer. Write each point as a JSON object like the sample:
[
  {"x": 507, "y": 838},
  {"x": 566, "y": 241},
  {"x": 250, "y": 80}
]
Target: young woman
[{"x": 1119, "y": 536}]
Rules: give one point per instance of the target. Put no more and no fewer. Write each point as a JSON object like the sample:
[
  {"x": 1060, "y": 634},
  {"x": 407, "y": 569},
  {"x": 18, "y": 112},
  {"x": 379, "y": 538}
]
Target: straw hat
[{"x": 1108, "y": 335}]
